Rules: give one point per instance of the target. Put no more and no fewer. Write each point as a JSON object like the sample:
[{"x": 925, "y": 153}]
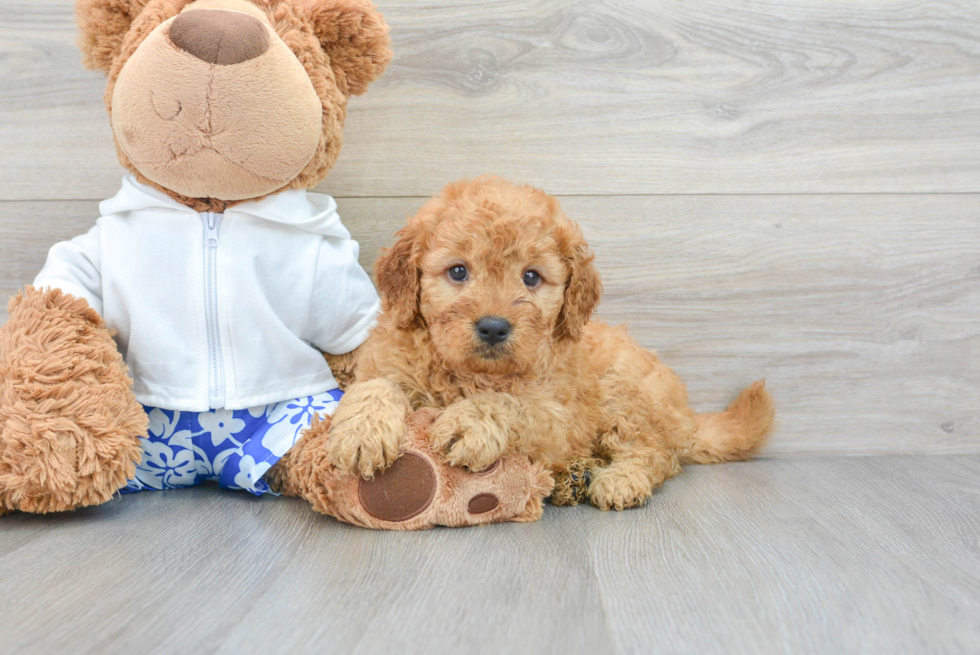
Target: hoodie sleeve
[
  {"x": 345, "y": 304},
  {"x": 75, "y": 267}
]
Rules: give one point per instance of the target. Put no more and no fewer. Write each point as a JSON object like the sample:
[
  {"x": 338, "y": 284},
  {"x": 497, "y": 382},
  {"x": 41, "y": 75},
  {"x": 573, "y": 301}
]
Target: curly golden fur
[{"x": 560, "y": 387}]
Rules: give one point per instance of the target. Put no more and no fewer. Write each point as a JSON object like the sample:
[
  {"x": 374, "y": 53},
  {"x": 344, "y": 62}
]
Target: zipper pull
[{"x": 211, "y": 223}]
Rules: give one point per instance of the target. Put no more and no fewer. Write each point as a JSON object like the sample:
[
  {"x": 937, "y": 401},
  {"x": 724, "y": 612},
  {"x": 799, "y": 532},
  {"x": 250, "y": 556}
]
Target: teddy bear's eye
[
  {"x": 457, "y": 273},
  {"x": 532, "y": 279}
]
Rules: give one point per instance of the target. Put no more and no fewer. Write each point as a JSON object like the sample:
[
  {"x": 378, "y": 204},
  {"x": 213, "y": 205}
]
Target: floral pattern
[{"x": 234, "y": 448}]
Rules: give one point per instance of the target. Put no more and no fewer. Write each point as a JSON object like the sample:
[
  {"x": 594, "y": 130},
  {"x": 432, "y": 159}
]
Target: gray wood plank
[
  {"x": 619, "y": 97},
  {"x": 405, "y": 590},
  {"x": 826, "y": 555},
  {"x": 822, "y": 555},
  {"x": 862, "y": 311}
]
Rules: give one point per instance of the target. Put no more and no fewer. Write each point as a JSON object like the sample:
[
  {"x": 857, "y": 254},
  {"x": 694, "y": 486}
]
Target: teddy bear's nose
[{"x": 218, "y": 36}]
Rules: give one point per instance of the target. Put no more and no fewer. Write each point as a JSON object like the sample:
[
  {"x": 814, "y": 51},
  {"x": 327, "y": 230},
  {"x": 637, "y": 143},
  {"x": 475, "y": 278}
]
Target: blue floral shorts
[{"x": 234, "y": 448}]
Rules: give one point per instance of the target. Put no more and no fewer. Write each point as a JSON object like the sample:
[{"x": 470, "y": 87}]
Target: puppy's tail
[{"x": 736, "y": 433}]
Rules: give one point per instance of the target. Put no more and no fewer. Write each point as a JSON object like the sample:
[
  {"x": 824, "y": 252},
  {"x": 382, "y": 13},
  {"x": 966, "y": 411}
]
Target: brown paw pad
[
  {"x": 490, "y": 469},
  {"x": 482, "y": 503},
  {"x": 401, "y": 492}
]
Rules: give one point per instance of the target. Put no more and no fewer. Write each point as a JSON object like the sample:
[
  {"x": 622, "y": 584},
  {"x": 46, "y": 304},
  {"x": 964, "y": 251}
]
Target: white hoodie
[{"x": 220, "y": 311}]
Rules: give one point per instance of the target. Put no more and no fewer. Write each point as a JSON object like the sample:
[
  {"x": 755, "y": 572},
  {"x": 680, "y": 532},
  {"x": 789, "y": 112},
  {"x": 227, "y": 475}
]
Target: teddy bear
[{"x": 203, "y": 329}]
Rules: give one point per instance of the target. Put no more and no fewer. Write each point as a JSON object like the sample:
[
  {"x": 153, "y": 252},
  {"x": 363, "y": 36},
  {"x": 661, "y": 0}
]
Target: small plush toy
[{"x": 215, "y": 280}]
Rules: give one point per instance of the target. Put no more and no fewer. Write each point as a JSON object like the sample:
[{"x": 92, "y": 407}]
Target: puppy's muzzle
[{"x": 493, "y": 330}]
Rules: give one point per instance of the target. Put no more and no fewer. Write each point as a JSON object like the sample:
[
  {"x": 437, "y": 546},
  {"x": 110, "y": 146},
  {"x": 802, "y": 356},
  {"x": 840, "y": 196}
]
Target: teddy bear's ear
[
  {"x": 354, "y": 36},
  {"x": 104, "y": 24}
]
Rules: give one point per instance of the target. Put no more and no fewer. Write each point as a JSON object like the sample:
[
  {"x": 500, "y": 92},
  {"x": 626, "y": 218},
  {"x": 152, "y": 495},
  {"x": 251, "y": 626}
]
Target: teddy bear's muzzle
[
  {"x": 218, "y": 36},
  {"x": 214, "y": 104}
]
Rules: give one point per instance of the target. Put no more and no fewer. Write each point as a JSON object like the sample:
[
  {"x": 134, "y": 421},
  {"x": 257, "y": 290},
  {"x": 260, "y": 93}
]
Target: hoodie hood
[{"x": 311, "y": 212}]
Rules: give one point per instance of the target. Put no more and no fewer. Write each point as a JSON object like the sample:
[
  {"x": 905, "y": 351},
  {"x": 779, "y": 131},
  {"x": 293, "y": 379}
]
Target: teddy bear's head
[{"x": 219, "y": 101}]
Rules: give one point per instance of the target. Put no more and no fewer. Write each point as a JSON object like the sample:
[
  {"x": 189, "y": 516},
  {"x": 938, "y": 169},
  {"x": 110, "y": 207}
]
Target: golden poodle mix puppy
[{"x": 488, "y": 295}]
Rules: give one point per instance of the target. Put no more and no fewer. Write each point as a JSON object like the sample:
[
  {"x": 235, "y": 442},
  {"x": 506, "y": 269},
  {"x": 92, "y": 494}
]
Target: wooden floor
[
  {"x": 787, "y": 189},
  {"x": 791, "y": 555}
]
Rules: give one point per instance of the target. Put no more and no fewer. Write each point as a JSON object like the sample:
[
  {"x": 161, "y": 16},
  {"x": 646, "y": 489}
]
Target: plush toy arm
[
  {"x": 69, "y": 423},
  {"x": 75, "y": 267},
  {"x": 344, "y": 306}
]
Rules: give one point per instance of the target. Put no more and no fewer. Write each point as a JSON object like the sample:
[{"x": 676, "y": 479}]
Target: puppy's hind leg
[
  {"x": 639, "y": 462},
  {"x": 646, "y": 421}
]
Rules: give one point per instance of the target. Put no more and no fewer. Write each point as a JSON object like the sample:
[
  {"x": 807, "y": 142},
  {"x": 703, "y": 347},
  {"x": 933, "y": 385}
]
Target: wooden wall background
[{"x": 778, "y": 188}]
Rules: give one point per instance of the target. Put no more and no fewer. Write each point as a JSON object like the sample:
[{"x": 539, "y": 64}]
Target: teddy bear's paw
[
  {"x": 618, "y": 489},
  {"x": 54, "y": 461},
  {"x": 402, "y": 491},
  {"x": 69, "y": 423},
  {"x": 468, "y": 437}
]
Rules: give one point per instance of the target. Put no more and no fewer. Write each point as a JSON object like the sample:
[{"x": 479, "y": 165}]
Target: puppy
[{"x": 488, "y": 295}]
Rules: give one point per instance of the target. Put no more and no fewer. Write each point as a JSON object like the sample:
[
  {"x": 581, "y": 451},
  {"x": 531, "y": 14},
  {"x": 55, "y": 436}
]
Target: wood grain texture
[
  {"x": 818, "y": 555},
  {"x": 585, "y": 97},
  {"x": 861, "y": 311}
]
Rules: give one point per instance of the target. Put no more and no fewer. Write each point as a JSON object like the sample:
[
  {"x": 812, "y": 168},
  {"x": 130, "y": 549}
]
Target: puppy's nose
[
  {"x": 493, "y": 329},
  {"x": 219, "y": 36}
]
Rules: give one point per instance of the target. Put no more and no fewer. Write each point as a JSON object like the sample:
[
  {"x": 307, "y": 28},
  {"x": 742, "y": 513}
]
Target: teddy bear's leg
[
  {"x": 417, "y": 491},
  {"x": 69, "y": 423},
  {"x": 402, "y": 490},
  {"x": 302, "y": 471}
]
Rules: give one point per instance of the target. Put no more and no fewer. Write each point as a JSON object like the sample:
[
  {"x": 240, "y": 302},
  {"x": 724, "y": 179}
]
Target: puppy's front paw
[
  {"x": 363, "y": 447},
  {"x": 615, "y": 489},
  {"x": 466, "y": 435}
]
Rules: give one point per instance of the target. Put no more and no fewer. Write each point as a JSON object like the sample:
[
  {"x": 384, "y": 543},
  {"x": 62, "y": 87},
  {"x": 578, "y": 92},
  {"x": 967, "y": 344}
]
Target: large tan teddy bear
[{"x": 181, "y": 339}]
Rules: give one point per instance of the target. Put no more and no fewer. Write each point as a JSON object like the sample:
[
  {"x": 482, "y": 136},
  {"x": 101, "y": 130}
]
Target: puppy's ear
[
  {"x": 354, "y": 36},
  {"x": 582, "y": 291},
  {"x": 103, "y": 25},
  {"x": 397, "y": 275}
]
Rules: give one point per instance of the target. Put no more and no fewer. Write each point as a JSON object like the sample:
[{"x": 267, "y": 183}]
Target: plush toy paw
[
  {"x": 69, "y": 423},
  {"x": 420, "y": 491}
]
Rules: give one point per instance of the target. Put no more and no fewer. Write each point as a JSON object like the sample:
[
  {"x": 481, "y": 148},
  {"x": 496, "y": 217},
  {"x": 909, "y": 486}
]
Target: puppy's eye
[
  {"x": 532, "y": 279},
  {"x": 457, "y": 273}
]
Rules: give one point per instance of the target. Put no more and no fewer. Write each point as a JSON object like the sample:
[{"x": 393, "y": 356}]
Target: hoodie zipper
[{"x": 216, "y": 374}]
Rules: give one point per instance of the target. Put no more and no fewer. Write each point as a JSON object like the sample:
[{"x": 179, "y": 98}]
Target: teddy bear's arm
[
  {"x": 75, "y": 268},
  {"x": 69, "y": 423},
  {"x": 344, "y": 304}
]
